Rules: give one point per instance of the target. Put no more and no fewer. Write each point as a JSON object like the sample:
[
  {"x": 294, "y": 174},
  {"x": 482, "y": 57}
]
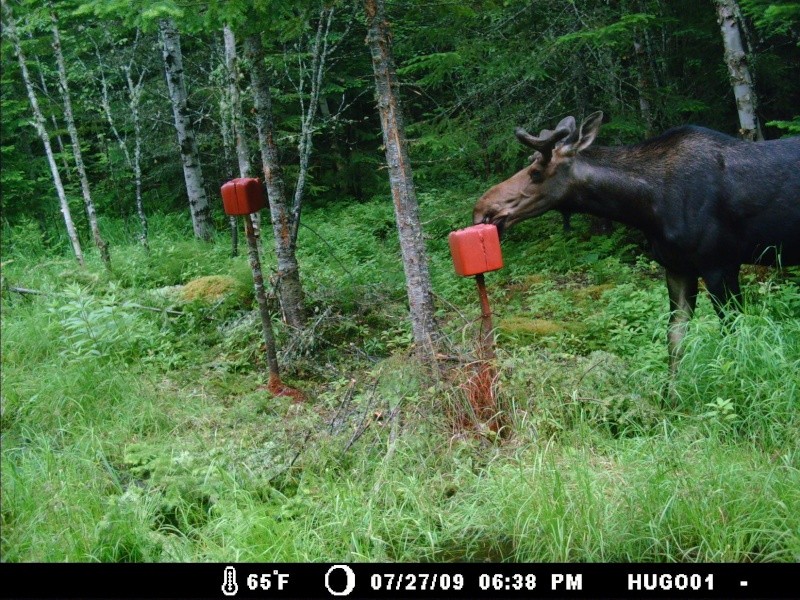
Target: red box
[
  {"x": 476, "y": 250},
  {"x": 243, "y": 196}
]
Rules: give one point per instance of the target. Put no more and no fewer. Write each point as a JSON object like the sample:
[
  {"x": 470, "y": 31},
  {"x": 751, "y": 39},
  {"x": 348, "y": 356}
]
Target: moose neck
[{"x": 616, "y": 183}]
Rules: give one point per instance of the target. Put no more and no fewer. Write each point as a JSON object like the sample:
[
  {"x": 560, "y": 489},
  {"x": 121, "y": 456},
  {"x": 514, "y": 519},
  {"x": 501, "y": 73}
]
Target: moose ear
[{"x": 589, "y": 129}]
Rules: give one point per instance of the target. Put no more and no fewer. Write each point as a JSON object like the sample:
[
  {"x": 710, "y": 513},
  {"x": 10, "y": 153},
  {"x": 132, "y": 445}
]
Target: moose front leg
[{"x": 682, "y": 301}]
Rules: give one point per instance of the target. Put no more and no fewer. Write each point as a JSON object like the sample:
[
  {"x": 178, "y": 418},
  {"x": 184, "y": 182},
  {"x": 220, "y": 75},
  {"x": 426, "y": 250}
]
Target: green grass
[{"x": 132, "y": 435}]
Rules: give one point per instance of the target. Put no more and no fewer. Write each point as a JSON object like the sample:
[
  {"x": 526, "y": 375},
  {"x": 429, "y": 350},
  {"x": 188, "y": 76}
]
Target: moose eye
[{"x": 537, "y": 175}]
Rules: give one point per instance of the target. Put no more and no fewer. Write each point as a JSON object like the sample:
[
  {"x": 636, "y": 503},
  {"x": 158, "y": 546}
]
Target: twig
[
  {"x": 333, "y": 251},
  {"x": 365, "y": 422},
  {"x": 343, "y": 404}
]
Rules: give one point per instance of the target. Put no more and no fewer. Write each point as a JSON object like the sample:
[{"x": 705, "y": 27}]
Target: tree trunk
[
  {"x": 738, "y": 69},
  {"x": 237, "y": 120},
  {"x": 319, "y": 54},
  {"x": 135, "y": 96},
  {"x": 643, "y": 83},
  {"x": 91, "y": 214},
  {"x": 192, "y": 173},
  {"x": 225, "y": 127},
  {"x": 59, "y": 141},
  {"x": 412, "y": 245},
  {"x": 290, "y": 290},
  {"x": 9, "y": 28},
  {"x": 135, "y": 163}
]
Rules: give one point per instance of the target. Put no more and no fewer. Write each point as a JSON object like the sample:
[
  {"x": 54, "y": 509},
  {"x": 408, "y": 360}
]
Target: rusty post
[
  {"x": 487, "y": 330},
  {"x": 482, "y": 382}
]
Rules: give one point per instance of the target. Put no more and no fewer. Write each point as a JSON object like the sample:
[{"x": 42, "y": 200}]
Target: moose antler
[{"x": 548, "y": 139}]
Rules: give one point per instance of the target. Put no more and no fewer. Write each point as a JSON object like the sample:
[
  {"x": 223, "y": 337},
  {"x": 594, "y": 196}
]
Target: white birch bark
[
  {"x": 738, "y": 69},
  {"x": 412, "y": 245},
  {"x": 10, "y": 30},
  {"x": 134, "y": 101},
  {"x": 236, "y": 120},
  {"x": 235, "y": 106},
  {"x": 192, "y": 173},
  {"x": 134, "y": 90},
  {"x": 227, "y": 150},
  {"x": 88, "y": 203}
]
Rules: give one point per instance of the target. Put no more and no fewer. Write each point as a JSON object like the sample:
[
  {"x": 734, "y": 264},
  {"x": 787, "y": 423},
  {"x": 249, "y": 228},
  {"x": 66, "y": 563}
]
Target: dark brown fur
[{"x": 707, "y": 202}]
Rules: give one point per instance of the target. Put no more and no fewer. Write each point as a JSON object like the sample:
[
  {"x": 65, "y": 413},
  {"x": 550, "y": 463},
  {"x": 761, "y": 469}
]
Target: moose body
[{"x": 706, "y": 202}]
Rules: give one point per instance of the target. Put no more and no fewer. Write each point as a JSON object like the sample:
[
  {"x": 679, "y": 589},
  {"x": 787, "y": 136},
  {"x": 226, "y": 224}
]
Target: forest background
[{"x": 135, "y": 423}]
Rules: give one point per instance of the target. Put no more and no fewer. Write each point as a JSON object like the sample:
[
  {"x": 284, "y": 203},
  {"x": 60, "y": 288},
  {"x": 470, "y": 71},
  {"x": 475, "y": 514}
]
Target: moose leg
[
  {"x": 682, "y": 300},
  {"x": 723, "y": 286}
]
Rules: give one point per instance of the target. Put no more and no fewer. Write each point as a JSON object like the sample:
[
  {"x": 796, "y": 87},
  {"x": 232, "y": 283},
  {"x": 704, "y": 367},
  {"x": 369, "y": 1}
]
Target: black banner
[{"x": 423, "y": 580}]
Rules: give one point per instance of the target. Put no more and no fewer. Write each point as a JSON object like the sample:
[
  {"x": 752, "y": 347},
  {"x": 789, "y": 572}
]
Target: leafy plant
[{"x": 103, "y": 327}]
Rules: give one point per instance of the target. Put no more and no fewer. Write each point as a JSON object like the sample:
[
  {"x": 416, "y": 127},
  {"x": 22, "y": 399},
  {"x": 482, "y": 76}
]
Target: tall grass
[
  {"x": 128, "y": 435},
  {"x": 745, "y": 374}
]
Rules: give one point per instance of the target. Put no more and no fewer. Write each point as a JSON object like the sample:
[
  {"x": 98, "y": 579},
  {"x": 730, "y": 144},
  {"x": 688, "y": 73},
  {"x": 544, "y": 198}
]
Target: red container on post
[
  {"x": 243, "y": 196},
  {"x": 476, "y": 250}
]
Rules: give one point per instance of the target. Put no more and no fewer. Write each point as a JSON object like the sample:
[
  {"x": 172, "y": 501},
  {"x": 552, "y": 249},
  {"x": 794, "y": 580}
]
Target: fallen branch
[{"x": 26, "y": 291}]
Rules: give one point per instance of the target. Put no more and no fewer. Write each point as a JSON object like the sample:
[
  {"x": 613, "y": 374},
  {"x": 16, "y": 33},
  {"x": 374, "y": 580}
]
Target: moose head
[{"x": 544, "y": 185}]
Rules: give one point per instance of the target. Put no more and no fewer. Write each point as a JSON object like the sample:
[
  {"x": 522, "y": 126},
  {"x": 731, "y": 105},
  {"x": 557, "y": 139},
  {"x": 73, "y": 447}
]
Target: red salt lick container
[
  {"x": 243, "y": 196},
  {"x": 476, "y": 250}
]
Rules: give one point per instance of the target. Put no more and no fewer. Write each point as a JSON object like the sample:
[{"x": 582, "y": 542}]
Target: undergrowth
[{"x": 136, "y": 426}]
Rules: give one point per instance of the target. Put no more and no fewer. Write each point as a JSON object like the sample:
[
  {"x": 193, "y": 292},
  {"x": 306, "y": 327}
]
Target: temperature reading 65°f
[{"x": 266, "y": 581}]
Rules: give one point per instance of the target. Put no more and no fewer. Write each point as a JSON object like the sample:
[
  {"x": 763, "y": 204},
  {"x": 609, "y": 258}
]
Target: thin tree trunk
[
  {"x": 91, "y": 213},
  {"x": 412, "y": 245},
  {"x": 134, "y": 99},
  {"x": 135, "y": 96},
  {"x": 190, "y": 156},
  {"x": 59, "y": 141},
  {"x": 225, "y": 127},
  {"x": 290, "y": 289},
  {"x": 39, "y": 123},
  {"x": 236, "y": 120},
  {"x": 643, "y": 83},
  {"x": 261, "y": 298},
  {"x": 738, "y": 69},
  {"x": 319, "y": 54}
]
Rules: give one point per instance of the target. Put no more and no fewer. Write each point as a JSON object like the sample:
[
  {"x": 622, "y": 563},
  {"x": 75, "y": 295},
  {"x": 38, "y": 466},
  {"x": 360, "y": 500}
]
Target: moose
[{"x": 706, "y": 202}]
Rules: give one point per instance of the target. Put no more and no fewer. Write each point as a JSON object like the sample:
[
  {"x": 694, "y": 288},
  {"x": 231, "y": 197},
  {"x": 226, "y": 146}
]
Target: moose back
[{"x": 707, "y": 202}]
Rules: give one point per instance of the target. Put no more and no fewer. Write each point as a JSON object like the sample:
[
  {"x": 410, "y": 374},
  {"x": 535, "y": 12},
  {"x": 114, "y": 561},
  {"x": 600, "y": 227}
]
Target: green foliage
[
  {"x": 103, "y": 327},
  {"x": 790, "y": 127},
  {"x": 747, "y": 376},
  {"x": 776, "y": 18},
  {"x": 133, "y": 435},
  {"x": 621, "y": 32}
]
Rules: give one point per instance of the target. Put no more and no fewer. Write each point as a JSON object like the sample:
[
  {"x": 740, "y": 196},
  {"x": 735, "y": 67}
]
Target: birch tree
[
  {"x": 10, "y": 30},
  {"x": 232, "y": 114},
  {"x": 134, "y": 88},
  {"x": 728, "y": 16},
  {"x": 406, "y": 209},
  {"x": 88, "y": 203},
  {"x": 59, "y": 142},
  {"x": 192, "y": 173},
  {"x": 235, "y": 104},
  {"x": 290, "y": 290}
]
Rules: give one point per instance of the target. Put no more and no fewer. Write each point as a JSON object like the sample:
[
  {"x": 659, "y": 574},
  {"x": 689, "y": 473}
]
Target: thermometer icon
[{"x": 229, "y": 585}]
